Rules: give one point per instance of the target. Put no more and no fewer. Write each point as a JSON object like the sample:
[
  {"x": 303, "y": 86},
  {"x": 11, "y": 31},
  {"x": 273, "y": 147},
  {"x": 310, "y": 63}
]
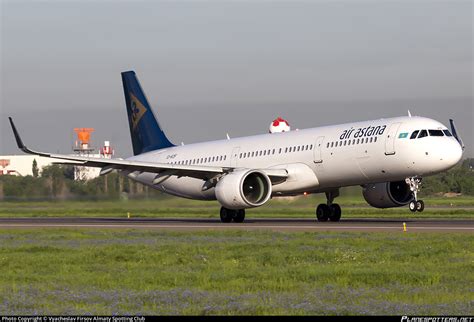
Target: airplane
[{"x": 386, "y": 157}]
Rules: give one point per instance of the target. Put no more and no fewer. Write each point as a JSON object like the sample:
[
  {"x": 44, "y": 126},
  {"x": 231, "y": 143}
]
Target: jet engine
[
  {"x": 387, "y": 194},
  {"x": 243, "y": 189}
]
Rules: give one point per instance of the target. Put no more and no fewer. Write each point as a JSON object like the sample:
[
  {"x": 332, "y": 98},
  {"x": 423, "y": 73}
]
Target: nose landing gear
[
  {"x": 415, "y": 205},
  {"x": 330, "y": 211}
]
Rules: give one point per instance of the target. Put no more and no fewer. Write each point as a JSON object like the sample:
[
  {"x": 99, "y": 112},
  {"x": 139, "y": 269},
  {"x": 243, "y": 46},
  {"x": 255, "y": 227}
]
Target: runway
[{"x": 187, "y": 224}]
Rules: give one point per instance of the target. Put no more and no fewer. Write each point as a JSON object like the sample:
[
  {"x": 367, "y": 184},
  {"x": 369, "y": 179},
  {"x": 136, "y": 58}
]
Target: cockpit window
[
  {"x": 447, "y": 133},
  {"x": 414, "y": 134},
  {"x": 422, "y": 134},
  {"x": 436, "y": 133}
]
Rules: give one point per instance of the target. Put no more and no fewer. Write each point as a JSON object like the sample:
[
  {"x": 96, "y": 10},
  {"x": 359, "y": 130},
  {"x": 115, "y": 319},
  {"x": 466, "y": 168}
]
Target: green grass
[
  {"x": 60, "y": 271},
  {"x": 303, "y": 207}
]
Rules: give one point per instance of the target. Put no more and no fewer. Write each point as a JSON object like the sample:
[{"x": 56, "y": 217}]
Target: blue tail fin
[{"x": 145, "y": 130}]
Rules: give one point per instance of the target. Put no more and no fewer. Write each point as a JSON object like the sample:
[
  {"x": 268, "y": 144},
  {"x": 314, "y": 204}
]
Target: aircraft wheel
[
  {"x": 412, "y": 206},
  {"x": 335, "y": 212},
  {"x": 239, "y": 215},
  {"x": 323, "y": 212},
  {"x": 420, "y": 206},
  {"x": 226, "y": 215}
]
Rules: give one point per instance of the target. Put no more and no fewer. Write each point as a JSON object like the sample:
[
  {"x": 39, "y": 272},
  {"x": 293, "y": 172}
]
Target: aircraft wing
[{"x": 108, "y": 165}]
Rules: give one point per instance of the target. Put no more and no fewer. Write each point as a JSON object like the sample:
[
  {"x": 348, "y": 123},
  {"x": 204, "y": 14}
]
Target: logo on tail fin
[{"x": 138, "y": 110}]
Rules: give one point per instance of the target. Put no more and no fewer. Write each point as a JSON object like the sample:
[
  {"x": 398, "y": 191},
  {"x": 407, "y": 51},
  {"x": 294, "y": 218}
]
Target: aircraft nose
[{"x": 453, "y": 153}]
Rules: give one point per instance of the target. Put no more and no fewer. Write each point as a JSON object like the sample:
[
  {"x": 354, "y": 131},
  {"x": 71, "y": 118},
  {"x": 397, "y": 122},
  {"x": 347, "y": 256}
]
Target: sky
[{"x": 211, "y": 68}]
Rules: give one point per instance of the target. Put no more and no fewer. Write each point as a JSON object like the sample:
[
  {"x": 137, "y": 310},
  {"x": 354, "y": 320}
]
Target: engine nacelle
[
  {"x": 387, "y": 194},
  {"x": 243, "y": 189}
]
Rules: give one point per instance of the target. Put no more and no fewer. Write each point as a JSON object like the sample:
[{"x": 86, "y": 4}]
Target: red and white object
[
  {"x": 279, "y": 125},
  {"x": 107, "y": 150}
]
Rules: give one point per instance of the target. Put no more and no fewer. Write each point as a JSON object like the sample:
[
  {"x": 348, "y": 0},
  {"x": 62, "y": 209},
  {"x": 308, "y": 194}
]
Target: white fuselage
[{"x": 317, "y": 159}]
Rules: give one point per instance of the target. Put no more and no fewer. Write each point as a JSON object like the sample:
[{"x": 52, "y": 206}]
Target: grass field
[
  {"x": 58, "y": 271},
  {"x": 125, "y": 271},
  {"x": 303, "y": 207}
]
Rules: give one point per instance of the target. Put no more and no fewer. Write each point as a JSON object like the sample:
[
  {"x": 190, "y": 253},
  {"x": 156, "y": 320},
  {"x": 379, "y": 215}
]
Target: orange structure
[
  {"x": 4, "y": 163},
  {"x": 83, "y": 136}
]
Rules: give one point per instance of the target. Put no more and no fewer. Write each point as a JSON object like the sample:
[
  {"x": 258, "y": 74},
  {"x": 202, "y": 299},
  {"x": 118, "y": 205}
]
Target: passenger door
[
  {"x": 317, "y": 151},
  {"x": 390, "y": 139},
  {"x": 234, "y": 157}
]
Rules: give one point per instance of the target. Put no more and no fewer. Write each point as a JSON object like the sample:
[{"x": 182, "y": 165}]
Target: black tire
[
  {"x": 323, "y": 212},
  {"x": 226, "y": 215},
  {"x": 239, "y": 215},
  {"x": 412, "y": 206},
  {"x": 335, "y": 212},
  {"x": 420, "y": 206}
]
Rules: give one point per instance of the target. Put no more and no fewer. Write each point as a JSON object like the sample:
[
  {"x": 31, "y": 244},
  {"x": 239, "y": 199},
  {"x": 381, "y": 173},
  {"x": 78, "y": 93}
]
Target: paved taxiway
[{"x": 412, "y": 225}]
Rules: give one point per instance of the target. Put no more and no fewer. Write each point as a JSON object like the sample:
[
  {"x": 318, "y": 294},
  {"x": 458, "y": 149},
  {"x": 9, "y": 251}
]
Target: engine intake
[
  {"x": 387, "y": 194},
  {"x": 244, "y": 189}
]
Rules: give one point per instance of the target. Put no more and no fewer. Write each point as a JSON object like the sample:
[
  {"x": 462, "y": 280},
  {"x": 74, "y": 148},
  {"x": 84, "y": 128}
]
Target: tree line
[{"x": 56, "y": 182}]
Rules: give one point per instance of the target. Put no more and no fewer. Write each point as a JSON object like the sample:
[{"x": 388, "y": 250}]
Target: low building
[{"x": 22, "y": 165}]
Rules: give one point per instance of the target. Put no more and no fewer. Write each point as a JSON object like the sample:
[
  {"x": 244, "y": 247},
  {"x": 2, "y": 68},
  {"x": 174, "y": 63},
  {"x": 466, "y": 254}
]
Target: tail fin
[{"x": 145, "y": 130}]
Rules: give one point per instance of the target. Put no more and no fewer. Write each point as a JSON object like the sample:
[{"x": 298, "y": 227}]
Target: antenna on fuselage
[
  {"x": 409, "y": 114},
  {"x": 228, "y": 137}
]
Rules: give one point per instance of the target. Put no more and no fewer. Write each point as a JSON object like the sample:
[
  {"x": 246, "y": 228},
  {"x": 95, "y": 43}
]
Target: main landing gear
[
  {"x": 237, "y": 215},
  {"x": 330, "y": 211},
  {"x": 415, "y": 205}
]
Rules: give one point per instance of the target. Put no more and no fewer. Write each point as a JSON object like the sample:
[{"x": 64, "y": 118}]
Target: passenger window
[
  {"x": 358, "y": 141},
  {"x": 345, "y": 142},
  {"x": 435, "y": 133},
  {"x": 375, "y": 139},
  {"x": 422, "y": 134},
  {"x": 414, "y": 134},
  {"x": 353, "y": 141},
  {"x": 371, "y": 140},
  {"x": 311, "y": 147},
  {"x": 447, "y": 133}
]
